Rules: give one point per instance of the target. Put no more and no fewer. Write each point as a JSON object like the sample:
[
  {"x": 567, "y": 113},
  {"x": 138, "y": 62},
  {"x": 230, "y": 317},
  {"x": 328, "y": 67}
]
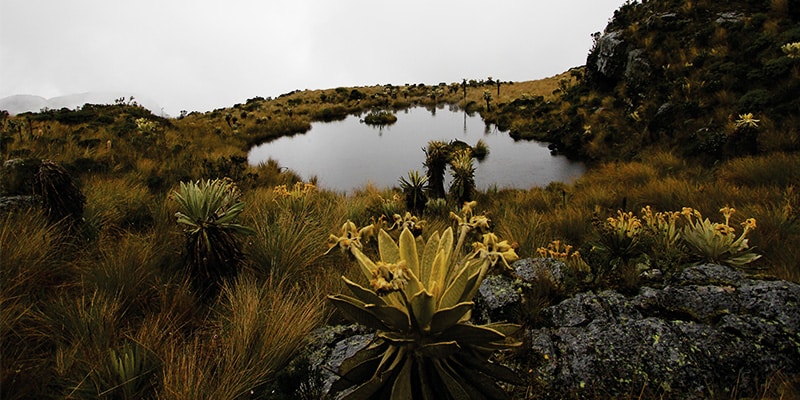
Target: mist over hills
[{"x": 21, "y": 103}]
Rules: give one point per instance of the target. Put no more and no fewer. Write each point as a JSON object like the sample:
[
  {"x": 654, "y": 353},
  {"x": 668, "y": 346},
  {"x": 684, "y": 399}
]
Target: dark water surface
[{"x": 347, "y": 154}]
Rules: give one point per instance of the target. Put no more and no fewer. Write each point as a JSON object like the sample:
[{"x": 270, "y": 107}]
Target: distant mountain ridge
[{"x": 21, "y": 103}]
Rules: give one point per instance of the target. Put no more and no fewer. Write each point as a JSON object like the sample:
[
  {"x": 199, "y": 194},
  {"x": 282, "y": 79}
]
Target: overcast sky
[{"x": 200, "y": 55}]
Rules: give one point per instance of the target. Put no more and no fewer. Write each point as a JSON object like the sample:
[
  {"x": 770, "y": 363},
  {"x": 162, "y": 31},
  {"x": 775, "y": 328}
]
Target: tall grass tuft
[
  {"x": 117, "y": 204},
  {"x": 128, "y": 271},
  {"x": 256, "y": 329},
  {"x": 780, "y": 169},
  {"x": 289, "y": 226},
  {"x": 527, "y": 228},
  {"x": 33, "y": 250},
  {"x": 33, "y": 254}
]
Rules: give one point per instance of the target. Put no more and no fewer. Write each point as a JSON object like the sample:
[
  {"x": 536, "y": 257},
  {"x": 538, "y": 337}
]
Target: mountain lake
[{"x": 346, "y": 155}]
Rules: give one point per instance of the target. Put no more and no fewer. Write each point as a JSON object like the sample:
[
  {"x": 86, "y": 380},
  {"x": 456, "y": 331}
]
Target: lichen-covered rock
[
  {"x": 637, "y": 70},
  {"x": 11, "y": 203},
  {"x": 532, "y": 269},
  {"x": 313, "y": 371},
  {"x": 17, "y": 176},
  {"x": 711, "y": 330},
  {"x": 498, "y": 298},
  {"x": 729, "y": 18}
]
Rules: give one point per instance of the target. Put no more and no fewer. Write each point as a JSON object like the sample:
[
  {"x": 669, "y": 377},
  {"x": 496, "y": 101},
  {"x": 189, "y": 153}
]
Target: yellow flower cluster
[
  {"x": 792, "y": 50},
  {"x": 468, "y": 220},
  {"x": 407, "y": 221},
  {"x": 554, "y": 250},
  {"x": 387, "y": 278},
  {"x": 563, "y": 252},
  {"x": 495, "y": 250},
  {"x": 661, "y": 219},
  {"x": 299, "y": 189},
  {"x": 625, "y": 223},
  {"x": 350, "y": 235},
  {"x": 747, "y": 121}
]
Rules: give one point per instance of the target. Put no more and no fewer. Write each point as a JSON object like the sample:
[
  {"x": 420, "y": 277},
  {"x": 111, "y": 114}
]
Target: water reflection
[{"x": 347, "y": 154}]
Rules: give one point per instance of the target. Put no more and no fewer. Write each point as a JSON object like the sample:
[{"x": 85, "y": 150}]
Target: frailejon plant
[
  {"x": 437, "y": 155},
  {"x": 462, "y": 188},
  {"x": 619, "y": 241},
  {"x": 662, "y": 235},
  {"x": 419, "y": 302},
  {"x": 60, "y": 196},
  {"x": 414, "y": 190},
  {"x": 210, "y": 210},
  {"x": 717, "y": 242}
]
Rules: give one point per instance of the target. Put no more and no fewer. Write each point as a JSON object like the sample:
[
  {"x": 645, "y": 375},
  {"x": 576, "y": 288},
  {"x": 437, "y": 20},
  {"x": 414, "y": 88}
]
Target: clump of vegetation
[
  {"x": 381, "y": 117},
  {"x": 717, "y": 242},
  {"x": 480, "y": 150},
  {"x": 60, "y": 196}
]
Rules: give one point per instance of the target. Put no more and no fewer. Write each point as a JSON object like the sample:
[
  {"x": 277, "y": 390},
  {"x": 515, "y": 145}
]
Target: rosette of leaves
[
  {"x": 209, "y": 211},
  {"x": 717, "y": 242},
  {"x": 419, "y": 303},
  {"x": 414, "y": 190},
  {"x": 620, "y": 237}
]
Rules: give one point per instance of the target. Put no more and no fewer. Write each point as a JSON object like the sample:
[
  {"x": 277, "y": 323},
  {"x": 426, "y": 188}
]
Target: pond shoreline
[{"x": 347, "y": 154}]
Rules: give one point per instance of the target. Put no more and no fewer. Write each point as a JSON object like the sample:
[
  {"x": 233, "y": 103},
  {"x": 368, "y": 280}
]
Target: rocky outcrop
[
  {"x": 612, "y": 60},
  {"x": 711, "y": 330},
  {"x": 611, "y": 54}
]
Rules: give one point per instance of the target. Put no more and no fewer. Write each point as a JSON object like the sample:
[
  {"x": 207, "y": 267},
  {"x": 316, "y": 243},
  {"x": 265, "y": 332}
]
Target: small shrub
[
  {"x": 619, "y": 241},
  {"x": 480, "y": 150},
  {"x": 60, "y": 195}
]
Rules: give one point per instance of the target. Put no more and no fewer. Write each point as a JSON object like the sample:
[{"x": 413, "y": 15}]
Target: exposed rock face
[
  {"x": 611, "y": 54},
  {"x": 710, "y": 331},
  {"x": 611, "y": 61}
]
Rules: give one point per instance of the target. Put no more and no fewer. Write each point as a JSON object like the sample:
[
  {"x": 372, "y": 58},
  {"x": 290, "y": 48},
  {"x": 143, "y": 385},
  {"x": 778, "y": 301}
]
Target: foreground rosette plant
[
  {"x": 717, "y": 242},
  {"x": 419, "y": 303}
]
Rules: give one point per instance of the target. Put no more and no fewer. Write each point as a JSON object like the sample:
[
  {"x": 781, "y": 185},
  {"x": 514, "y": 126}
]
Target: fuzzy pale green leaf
[
  {"x": 358, "y": 312},
  {"x": 408, "y": 251},
  {"x": 393, "y": 317},
  {"x": 389, "y": 252},
  {"x": 447, "y": 317},
  {"x": 423, "y": 306},
  {"x": 428, "y": 255},
  {"x": 363, "y": 294}
]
